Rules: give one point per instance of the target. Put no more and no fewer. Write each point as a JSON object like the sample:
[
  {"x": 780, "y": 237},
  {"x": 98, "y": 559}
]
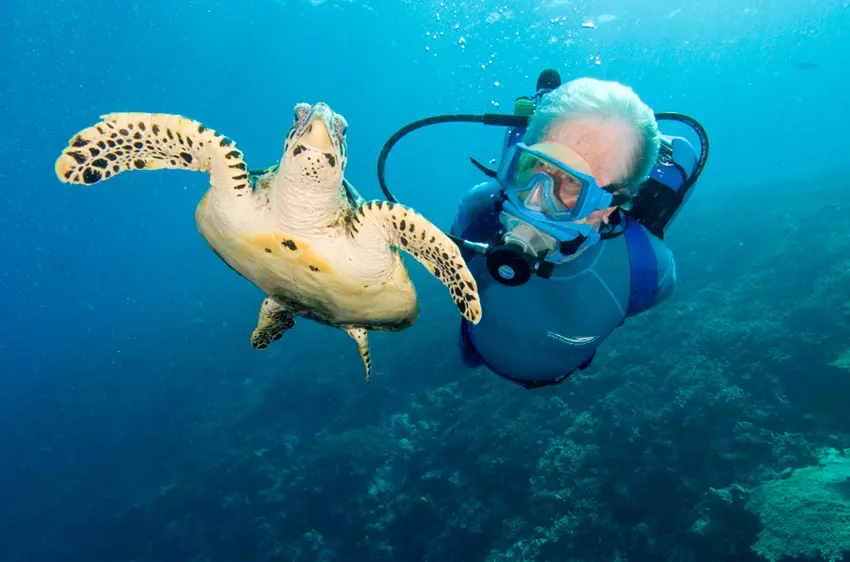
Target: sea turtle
[{"x": 298, "y": 231}]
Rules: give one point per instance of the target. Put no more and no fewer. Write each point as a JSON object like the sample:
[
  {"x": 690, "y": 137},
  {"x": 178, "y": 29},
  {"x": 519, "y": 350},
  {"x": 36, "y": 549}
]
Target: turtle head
[{"x": 315, "y": 149}]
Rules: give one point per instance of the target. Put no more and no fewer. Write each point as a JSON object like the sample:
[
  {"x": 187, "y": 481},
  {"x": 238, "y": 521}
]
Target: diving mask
[
  {"x": 548, "y": 194},
  {"x": 551, "y": 179}
]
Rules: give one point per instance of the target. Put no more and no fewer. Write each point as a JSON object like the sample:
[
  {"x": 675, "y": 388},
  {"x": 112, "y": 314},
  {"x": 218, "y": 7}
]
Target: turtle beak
[
  {"x": 317, "y": 129},
  {"x": 315, "y": 149}
]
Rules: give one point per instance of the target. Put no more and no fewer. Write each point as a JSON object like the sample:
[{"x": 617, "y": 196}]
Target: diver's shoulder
[
  {"x": 666, "y": 266},
  {"x": 660, "y": 247},
  {"x": 479, "y": 199},
  {"x": 649, "y": 253},
  {"x": 481, "y": 193},
  {"x": 476, "y": 205}
]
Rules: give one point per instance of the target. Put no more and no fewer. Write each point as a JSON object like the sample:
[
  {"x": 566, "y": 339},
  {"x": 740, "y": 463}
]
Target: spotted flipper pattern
[
  {"x": 361, "y": 336},
  {"x": 273, "y": 322},
  {"x": 411, "y": 232},
  {"x": 151, "y": 141}
]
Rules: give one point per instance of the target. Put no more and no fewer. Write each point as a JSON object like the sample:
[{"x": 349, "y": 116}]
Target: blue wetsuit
[{"x": 541, "y": 332}]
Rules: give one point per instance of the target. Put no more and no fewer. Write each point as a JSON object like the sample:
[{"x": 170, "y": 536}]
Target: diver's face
[
  {"x": 605, "y": 149},
  {"x": 609, "y": 146},
  {"x": 566, "y": 187}
]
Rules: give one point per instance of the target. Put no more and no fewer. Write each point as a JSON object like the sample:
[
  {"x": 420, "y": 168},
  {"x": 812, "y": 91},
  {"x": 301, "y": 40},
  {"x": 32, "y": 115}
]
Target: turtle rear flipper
[
  {"x": 151, "y": 141},
  {"x": 273, "y": 322},
  {"x": 404, "y": 229}
]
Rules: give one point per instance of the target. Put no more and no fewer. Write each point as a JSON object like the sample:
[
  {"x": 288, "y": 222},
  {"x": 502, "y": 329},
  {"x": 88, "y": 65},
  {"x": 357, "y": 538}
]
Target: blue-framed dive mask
[
  {"x": 549, "y": 178},
  {"x": 549, "y": 186}
]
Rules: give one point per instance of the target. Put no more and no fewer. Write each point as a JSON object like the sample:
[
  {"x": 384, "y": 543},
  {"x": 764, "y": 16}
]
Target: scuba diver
[{"x": 565, "y": 239}]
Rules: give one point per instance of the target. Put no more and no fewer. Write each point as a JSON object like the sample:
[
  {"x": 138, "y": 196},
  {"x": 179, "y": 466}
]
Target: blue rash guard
[{"x": 541, "y": 332}]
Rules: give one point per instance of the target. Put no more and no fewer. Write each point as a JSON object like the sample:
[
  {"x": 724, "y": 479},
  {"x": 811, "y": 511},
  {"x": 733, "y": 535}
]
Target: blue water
[{"x": 134, "y": 414}]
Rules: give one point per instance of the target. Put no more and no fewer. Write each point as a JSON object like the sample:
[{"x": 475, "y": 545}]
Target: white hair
[{"x": 592, "y": 97}]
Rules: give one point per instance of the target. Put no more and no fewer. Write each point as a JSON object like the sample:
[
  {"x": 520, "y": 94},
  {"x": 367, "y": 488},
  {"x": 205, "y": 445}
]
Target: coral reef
[{"x": 806, "y": 513}]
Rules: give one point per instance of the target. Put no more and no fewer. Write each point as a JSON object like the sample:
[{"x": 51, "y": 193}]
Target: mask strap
[
  {"x": 571, "y": 247},
  {"x": 620, "y": 191}
]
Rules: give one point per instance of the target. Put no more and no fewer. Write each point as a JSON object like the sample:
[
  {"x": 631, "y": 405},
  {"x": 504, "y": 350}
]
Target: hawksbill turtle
[{"x": 297, "y": 230}]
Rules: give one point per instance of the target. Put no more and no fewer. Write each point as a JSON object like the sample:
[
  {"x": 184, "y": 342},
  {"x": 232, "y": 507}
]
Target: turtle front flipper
[
  {"x": 151, "y": 141},
  {"x": 403, "y": 228},
  {"x": 273, "y": 322},
  {"x": 361, "y": 336}
]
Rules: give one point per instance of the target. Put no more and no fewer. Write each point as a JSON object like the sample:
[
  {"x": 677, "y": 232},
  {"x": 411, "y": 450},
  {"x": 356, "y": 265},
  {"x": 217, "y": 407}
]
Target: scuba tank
[{"x": 668, "y": 187}]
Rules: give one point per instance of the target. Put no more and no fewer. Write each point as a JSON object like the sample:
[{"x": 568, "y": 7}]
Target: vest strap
[{"x": 644, "y": 269}]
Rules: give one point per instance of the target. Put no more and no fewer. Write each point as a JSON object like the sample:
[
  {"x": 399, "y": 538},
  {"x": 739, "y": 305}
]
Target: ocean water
[{"x": 137, "y": 424}]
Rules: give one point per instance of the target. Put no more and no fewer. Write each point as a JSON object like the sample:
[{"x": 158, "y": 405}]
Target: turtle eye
[
  {"x": 340, "y": 126},
  {"x": 301, "y": 111}
]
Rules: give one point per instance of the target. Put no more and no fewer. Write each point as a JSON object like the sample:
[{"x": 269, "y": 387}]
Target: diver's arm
[
  {"x": 470, "y": 205},
  {"x": 471, "y": 220}
]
